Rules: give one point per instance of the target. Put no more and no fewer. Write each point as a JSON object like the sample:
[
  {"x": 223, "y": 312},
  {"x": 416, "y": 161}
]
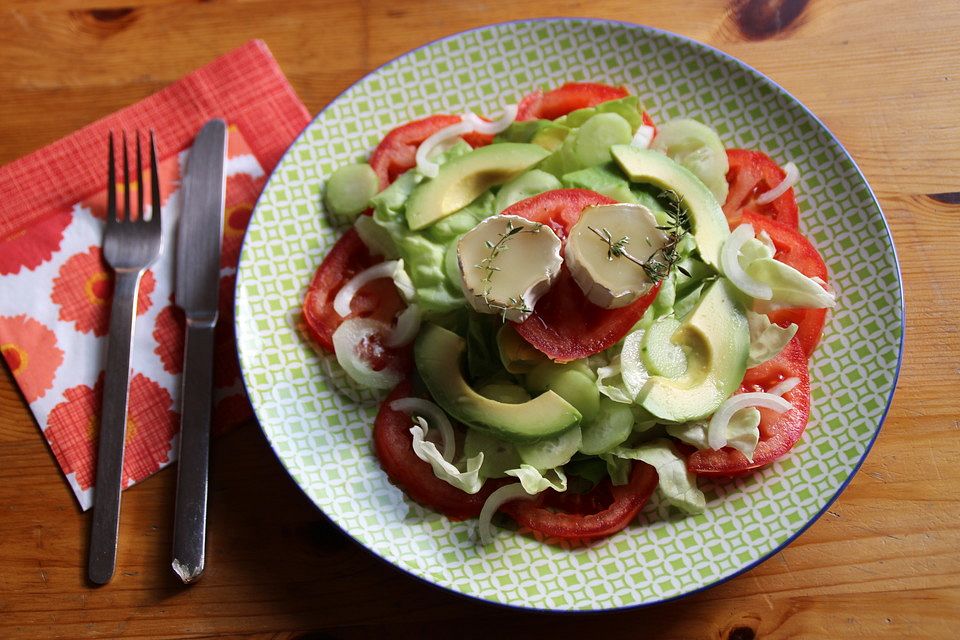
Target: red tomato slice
[
  {"x": 378, "y": 299},
  {"x": 809, "y": 325},
  {"x": 567, "y": 98},
  {"x": 778, "y": 431},
  {"x": 393, "y": 444},
  {"x": 601, "y": 512},
  {"x": 565, "y": 325},
  {"x": 647, "y": 120},
  {"x": 397, "y": 152},
  {"x": 750, "y": 174},
  {"x": 559, "y": 209},
  {"x": 529, "y": 106},
  {"x": 795, "y": 250}
]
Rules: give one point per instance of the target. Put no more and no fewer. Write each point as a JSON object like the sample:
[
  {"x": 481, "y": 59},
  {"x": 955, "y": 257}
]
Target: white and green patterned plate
[{"x": 320, "y": 426}]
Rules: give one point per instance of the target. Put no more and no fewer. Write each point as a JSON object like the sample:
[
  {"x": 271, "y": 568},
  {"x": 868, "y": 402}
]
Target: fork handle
[
  {"x": 113, "y": 428},
  {"x": 190, "y": 519}
]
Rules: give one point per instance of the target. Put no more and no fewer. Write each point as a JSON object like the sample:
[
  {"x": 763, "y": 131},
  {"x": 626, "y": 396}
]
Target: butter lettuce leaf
[
  {"x": 467, "y": 480},
  {"x": 533, "y": 481},
  {"x": 424, "y": 252},
  {"x": 790, "y": 287},
  {"x": 743, "y": 432},
  {"x": 766, "y": 339}
]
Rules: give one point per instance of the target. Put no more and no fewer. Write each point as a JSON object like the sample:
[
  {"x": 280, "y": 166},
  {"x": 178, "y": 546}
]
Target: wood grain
[{"x": 883, "y": 561}]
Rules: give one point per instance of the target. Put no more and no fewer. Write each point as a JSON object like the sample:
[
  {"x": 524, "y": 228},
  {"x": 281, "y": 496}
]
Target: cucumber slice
[
  {"x": 698, "y": 148},
  {"x": 350, "y": 188},
  {"x": 451, "y": 263},
  {"x": 551, "y": 136},
  {"x": 498, "y": 455},
  {"x": 612, "y": 427},
  {"x": 552, "y": 452},
  {"x": 596, "y": 136},
  {"x": 525, "y": 186},
  {"x": 632, "y": 369},
  {"x": 605, "y": 179},
  {"x": 661, "y": 356}
]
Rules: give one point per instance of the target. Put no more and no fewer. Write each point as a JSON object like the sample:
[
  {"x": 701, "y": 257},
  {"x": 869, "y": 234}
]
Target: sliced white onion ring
[
  {"x": 495, "y": 126},
  {"x": 784, "y": 386},
  {"x": 468, "y": 122},
  {"x": 496, "y": 500},
  {"x": 435, "y": 417},
  {"x": 351, "y": 334},
  {"x": 717, "y": 429},
  {"x": 643, "y": 137},
  {"x": 730, "y": 264},
  {"x": 388, "y": 269},
  {"x": 428, "y": 167},
  {"x": 408, "y": 324},
  {"x": 792, "y": 177}
]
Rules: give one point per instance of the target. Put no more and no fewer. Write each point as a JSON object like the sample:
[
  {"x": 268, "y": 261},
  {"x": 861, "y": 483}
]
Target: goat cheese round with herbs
[
  {"x": 613, "y": 253},
  {"x": 506, "y": 264}
]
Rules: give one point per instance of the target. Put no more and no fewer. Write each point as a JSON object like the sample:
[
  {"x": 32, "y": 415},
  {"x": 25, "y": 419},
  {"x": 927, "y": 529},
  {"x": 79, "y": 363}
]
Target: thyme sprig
[
  {"x": 676, "y": 230},
  {"x": 616, "y": 248},
  {"x": 659, "y": 264},
  {"x": 489, "y": 269}
]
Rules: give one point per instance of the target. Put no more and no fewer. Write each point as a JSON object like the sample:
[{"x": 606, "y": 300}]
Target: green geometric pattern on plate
[{"x": 320, "y": 425}]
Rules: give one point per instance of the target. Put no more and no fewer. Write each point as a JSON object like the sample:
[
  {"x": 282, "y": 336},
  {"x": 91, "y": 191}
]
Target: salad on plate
[{"x": 570, "y": 307}]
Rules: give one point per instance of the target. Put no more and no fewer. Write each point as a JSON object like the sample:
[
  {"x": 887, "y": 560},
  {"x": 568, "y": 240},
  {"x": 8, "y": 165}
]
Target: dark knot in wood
[
  {"x": 759, "y": 19},
  {"x": 110, "y": 15},
  {"x": 742, "y": 633}
]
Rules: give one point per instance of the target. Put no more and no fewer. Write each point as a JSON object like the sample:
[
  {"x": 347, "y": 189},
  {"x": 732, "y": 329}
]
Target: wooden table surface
[{"x": 883, "y": 562}]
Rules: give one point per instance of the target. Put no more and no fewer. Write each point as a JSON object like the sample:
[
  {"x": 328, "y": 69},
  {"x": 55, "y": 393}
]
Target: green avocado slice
[
  {"x": 709, "y": 226},
  {"x": 439, "y": 354},
  {"x": 461, "y": 180},
  {"x": 716, "y": 338}
]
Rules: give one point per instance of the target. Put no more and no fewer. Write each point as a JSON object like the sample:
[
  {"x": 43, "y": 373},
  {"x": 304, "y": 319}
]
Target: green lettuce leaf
[
  {"x": 629, "y": 108},
  {"x": 790, "y": 287},
  {"x": 534, "y": 482},
  {"x": 617, "y": 468},
  {"x": 743, "y": 432},
  {"x": 605, "y": 179},
  {"x": 424, "y": 251},
  {"x": 483, "y": 355},
  {"x": 467, "y": 480},
  {"x": 610, "y": 382},
  {"x": 766, "y": 339}
]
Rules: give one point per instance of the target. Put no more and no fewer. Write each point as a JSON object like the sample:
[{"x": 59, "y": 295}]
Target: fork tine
[
  {"x": 154, "y": 182},
  {"x": 139, "y": 180},
  {"x": 126, "y": 181},
  {"x": 111, "y": 184}
]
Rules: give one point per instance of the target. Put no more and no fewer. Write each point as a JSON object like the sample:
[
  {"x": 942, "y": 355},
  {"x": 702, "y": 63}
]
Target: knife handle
[{"x": 190, "y": 519}]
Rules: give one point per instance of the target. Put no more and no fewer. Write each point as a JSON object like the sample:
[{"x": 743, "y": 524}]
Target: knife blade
[{"x": 197, "y": 290}]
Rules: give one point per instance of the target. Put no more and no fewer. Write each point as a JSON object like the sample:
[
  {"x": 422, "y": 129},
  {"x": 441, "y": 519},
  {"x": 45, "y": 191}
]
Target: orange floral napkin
[{"x": 55, "y": 289}]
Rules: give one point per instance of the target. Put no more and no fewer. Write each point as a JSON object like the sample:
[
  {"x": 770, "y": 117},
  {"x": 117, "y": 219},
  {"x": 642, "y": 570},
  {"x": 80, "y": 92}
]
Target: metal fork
[{"x": 130, "y": 245}]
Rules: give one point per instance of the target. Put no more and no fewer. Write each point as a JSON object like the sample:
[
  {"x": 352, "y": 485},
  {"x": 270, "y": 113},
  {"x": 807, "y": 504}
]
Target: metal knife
[{"x": 197, "y": 288}]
